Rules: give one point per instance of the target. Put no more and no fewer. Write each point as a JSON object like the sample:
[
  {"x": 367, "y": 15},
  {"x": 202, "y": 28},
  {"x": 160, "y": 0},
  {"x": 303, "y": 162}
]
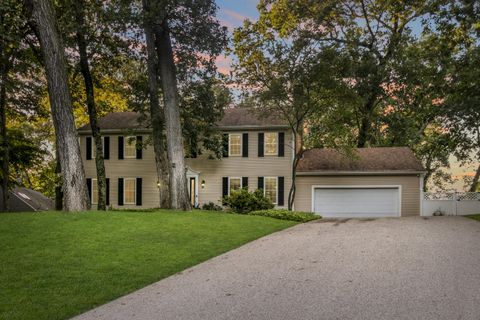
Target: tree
[{"x": 73, "y": 175}]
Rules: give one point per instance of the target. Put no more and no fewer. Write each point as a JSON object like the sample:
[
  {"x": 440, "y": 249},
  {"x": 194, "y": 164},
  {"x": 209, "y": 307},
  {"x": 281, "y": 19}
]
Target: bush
[
  {"x": 211, "y": 207},
  {"x": 242, "y": 201},
  {"x": 284, "y": 214}
]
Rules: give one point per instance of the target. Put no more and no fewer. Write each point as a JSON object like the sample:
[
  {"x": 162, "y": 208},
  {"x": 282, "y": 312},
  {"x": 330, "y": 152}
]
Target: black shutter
[
  {"x": 139, "y": 147},
  {"x": 281, "y": 144},
  {"x": 139, "y": 191},
  {"x": 89, "y": 187},
  {"x": 261, "y": 138},
  {"x": 106, "y": 148},
  {"x": 260, "y": 183},
  {"x": 225, "y": 145},
  {"x": 245, "y": 145},
  {"x": 245, "y": 182},
  {"x": 281, "y": 191},
  {"x": 224, "y": 186},
  {"x": 120, "y": 147},
  {"x": 107, "y": 196},
  {"x": 120, "y": 191},
  {"x": 89, "y": 148}
]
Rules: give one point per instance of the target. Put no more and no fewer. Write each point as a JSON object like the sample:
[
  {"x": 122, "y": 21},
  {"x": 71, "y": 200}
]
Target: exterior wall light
[{"x": 203, "y": 184}]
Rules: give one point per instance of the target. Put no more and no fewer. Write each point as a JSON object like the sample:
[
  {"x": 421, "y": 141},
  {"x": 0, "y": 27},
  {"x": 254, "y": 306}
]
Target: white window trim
[
  {"x": 134, "y": 191},
  {"x": 125, "y": 142},
  {"x": 241, "y": 183},
  {"x": 94, "y": 181},
  {"x": 276, "y": 187},
  {"x": 229, "y": 144},
  {"x": 94, "y": 146},
  {"x": 265, "y": 145}
]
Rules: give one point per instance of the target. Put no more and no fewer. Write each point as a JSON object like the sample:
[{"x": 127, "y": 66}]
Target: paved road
[{"x": 408, "y": 268}]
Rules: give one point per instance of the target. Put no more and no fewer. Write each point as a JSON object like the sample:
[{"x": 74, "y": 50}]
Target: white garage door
[{"x": 351, "y": 202}]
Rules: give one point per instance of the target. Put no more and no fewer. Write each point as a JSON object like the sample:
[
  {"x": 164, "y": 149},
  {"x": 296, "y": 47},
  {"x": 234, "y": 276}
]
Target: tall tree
[
  {"x": 79, "y": 12},
  {"x": 73, "y": 175}
]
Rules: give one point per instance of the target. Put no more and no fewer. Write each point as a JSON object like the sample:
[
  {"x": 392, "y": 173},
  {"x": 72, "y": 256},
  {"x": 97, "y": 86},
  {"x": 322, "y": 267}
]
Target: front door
[{"x": 192, "y": 189}]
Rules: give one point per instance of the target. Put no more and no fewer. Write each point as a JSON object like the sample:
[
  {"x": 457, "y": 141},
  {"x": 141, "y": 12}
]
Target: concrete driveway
[{"x": 407, "y": 268}]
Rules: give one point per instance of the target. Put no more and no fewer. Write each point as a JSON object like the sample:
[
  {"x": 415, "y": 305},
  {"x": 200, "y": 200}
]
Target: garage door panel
[{"x": 356, "y": 202}]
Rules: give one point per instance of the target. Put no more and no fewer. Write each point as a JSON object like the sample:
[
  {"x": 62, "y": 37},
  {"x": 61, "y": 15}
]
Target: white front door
[
  {"x": 356, "y": 202},
  {"x": 192, "y": 181}
]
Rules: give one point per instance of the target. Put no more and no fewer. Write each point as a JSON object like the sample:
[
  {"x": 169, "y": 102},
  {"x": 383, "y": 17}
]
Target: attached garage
[{"x": 371, "y": 183}]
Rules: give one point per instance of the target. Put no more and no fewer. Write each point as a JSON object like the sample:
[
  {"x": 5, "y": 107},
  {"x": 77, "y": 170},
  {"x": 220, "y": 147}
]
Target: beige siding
[
  {"x": 410, "y": 189},
  {"x": 210, "y": 170}
]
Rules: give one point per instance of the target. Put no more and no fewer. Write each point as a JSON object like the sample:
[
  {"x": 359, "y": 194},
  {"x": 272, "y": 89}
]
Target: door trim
[{"x": 398, "y": 187}]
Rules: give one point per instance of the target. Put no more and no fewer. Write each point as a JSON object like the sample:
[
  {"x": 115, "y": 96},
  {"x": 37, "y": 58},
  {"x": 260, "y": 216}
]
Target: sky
[{"x": 232, "y": 13}]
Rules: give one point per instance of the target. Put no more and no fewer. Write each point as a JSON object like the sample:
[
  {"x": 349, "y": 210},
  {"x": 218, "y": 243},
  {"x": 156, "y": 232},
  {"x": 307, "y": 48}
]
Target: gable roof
[
  {"x": 233, "y": 118},
  {"x": 368, "y": 160}
]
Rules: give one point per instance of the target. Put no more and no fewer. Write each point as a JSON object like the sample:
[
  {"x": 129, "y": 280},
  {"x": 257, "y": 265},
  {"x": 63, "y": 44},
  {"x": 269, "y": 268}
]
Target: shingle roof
[
  {"x": 24, "y": 199},
  {"x": 234, "y": 117},
  {"x": 386, "y": 159}
]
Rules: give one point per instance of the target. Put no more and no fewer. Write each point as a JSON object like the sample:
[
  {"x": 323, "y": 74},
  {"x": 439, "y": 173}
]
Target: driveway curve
[{"x": 399, "y": 268}]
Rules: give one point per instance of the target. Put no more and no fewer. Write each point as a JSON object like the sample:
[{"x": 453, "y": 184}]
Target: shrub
[
  {"x": 211, "y": 207},
  {"x": 284, "y": 214},
  {"x": 242, "y": 201}
]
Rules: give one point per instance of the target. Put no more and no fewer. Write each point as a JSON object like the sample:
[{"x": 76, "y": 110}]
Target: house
[
  {"x": 26, "y": 200},
  {"x": 373, "y": 182}
]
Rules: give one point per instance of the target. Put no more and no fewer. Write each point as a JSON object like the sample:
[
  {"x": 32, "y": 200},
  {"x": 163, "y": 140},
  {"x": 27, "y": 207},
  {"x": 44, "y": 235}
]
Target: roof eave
[
  {"x": 114, "y": 131},
  {"x": 252, "y": 127},
  {"x": 361, "y": 173}
]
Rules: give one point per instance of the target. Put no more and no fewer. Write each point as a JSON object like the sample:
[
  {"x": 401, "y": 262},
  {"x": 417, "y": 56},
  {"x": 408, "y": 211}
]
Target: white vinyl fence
[{"x": 450, "y": 203}]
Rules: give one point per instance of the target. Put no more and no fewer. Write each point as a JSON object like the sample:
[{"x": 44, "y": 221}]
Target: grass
[
  {"x": 475, "y": 217},
  {"x": 57, "y": 265}
]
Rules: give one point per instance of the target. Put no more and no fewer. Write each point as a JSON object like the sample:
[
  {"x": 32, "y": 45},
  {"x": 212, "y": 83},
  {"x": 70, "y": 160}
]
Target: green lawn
[
  {"x": 475, "y": 217},
  {"x": 56, "y": 265}
]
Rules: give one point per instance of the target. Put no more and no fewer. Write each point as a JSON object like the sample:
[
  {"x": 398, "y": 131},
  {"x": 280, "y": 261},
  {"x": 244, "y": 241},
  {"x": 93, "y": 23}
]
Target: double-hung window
[
  {"x": 235, "y": 144},
  {"x": 271, "y": 143},
  {"x": 94, "y": 191},
  {"x": 130, "y": 147},
  {"x": 94, "y": 147},
  {"x": 129, "y": 190},
  {"x": 234, "y": 184},
  {"x": 271, "y": 188}
]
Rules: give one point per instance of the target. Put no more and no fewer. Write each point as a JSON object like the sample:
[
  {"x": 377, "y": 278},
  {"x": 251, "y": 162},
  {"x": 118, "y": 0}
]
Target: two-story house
[{"x": 258, "y": 155}]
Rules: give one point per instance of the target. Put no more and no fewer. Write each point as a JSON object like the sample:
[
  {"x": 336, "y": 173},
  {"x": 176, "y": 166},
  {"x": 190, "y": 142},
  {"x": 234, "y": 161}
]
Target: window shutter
[
  {"x": 281, "y": 144},
  {"x": 106, "y": 148},
  {"x": 89, "y": 148},
  {"x": 261, "y": 138},
  {"x": 89, "y": 187},
  {"x": 245, "y": 182},
  {"x": 224, "y": 186},
  {"x": 139, "y": 191},
  {"x": 260, "y": 183},
  {"x": 107, "y": 196},
  {"x": 245, "y": 145},
  {"x": 120, "y": 147},
  {"x": 120, "y": 191},
  {"x": 281, "y": 191},
  {"x": 225, "y": 145},
  {"x": 139, "y": 147}
]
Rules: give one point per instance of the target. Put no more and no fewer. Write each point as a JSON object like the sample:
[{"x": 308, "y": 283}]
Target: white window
[
  {"x": 130, "y": 147},
  {"x": 129, "y": 186},
  {"x": 94, "y": 191},
  {"x": 234, "y": 184},
  {"x": 235, "y": 144},
  {"x": 94, "y": 147},
  {"x": 271, "y": 143},
  {"x": 270, "y": 188}
]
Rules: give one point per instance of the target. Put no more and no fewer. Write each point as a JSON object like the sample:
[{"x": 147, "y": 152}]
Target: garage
[{"x": 356, "y": 202}]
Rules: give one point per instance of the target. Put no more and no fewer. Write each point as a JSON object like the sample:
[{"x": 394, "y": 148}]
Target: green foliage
[
  {"x": 211, "y": 207},
  {"x": 243, "y": 201},
  {"x": 284, "y": 214}
]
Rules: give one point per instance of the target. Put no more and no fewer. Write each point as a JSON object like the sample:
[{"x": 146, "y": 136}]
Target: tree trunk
[
  {"x": 73, "y": 175},
  {"x": 176, "y": 153},
  {"x": 476, "y": 178},
  {"x": 296, "y": 158},
  {"x": 3, "y": 128},
  {"x": 92, "y": 110},
  {"x": 156, "y": 112},
  {"x": 58, "y": 183}
]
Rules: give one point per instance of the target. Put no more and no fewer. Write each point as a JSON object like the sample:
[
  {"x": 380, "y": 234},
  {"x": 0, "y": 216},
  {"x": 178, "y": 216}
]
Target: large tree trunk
[
  {"x": 476, "y": 178},
  {"x": 156, "y": 112},
  {"x": 297, "y": 155},
  {"x": 73, "y": 175},
  {"x": 92, "y": 110},
  {"x": 58, "y": 183},
  {"x": 3, "y": 127},
  {"x": 176, "y": 153}
]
